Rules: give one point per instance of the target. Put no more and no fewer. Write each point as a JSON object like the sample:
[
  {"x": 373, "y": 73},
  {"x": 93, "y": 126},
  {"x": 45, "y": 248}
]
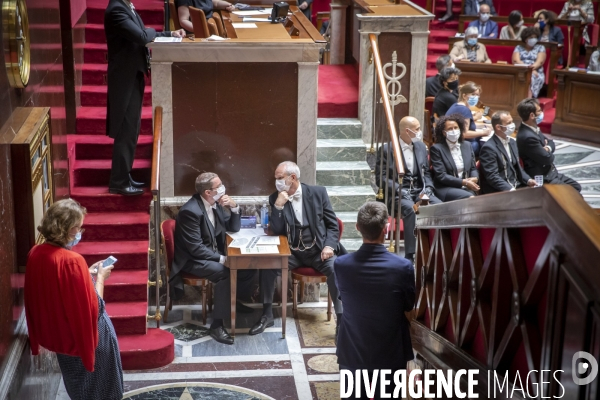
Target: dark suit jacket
[
  {"x": 196, "y": 240},
  {"x": 444, "y": 169},
  {"x": 420, "y": 152},
  {"x": 126, "y": 39},
  {"x": 490, "y": 27},
  {"x": 536, "y": 160},
  {"x": 432, "y": 85},
  {"x": 471, "y": 7},
  {"x": 319, "y": 214},
  {"x": 494, "y": 163},
  {"x": 376, "y": 287},
  {"x": 308, "y": 9}
]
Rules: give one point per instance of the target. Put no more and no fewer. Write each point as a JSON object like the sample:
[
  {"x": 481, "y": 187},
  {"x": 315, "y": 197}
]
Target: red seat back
[
  {"x": 167, "y": 232},
  {"x": 340, "y": 226}
]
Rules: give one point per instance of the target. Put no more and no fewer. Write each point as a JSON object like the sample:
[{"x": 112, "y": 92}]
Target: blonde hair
[{"x": 59, "y": 219}]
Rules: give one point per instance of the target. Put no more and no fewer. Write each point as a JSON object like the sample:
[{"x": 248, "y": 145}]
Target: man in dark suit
[
  {"x": 128, "y": 61},
  {"x": 416, "y": 181},
  {"x": 499, "y": 158},
  {"x": 433, "y": 84},
  {"x": 486, "y": 27},
  {"x": 304, "y": 6},
  {"x": 200, "y": 247},
  {"x": 377, "y": 288},
  {"x": 535, "y": 149},
  {"x": 472, "y": 6},
  {"x": 303, "y": 213}
]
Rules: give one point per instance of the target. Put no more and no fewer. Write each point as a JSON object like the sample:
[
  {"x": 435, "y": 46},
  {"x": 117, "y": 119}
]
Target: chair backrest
[
  {"x": 220, "y": 26},
  {"x": 167, "y": 234},
  {"x": 428, "y": 131},
  {"x": 341, "y": 227},
  {"x": 173, "y": 16},
  {"x": 212, "y": 27},
  {"x": 199, "y": 22}
]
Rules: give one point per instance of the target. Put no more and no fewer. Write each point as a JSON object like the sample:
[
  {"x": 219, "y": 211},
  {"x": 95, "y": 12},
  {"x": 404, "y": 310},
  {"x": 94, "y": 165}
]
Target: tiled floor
[{"x": 582, "y": 163}]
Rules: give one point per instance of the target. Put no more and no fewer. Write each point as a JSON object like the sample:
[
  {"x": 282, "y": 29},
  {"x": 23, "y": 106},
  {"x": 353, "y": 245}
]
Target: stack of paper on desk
[{"x": 252, "y": 238}]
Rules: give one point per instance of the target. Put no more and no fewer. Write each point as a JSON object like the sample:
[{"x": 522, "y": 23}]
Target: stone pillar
[
  {"x": 418, "y": 66},
  {"x": 367, "y": 84},
  {"x": 162, "y": 95},
  {"x": 306, "y": 152},
  {"x": 337, "y": 44}
]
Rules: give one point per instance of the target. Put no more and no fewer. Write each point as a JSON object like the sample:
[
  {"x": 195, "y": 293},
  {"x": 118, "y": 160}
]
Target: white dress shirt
[
  {"x": 296, "y": 202},
  {"x": 210, "y": 212},
  {"x": 456, "y": 156},
  {"x": 505, "y": 143},
  {"x": 409, "y": 154}
]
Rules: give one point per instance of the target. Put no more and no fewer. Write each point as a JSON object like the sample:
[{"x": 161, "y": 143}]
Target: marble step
[
  {"x": 349, "y": 198},
  {"x": 349, "y": 220},
  {"x": 341, "y": 150},
  {"x": 343, "y": 173},
  {"x": 351, "y": 244},
  {"x": 338, "y": 128}
]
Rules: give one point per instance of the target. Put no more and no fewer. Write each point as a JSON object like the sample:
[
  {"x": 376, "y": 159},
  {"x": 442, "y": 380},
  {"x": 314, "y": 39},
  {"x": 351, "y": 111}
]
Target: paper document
[
  {"x": 248, "y": 13},
  {"x": 268, "y": 240},
  {"x": 247, "y": 233},
  {"x": 215, "y": 38},
  {"x": 244, "y": 25},
  {"x": 239, "y": 243},
  {"x": 260, "y": 250},
  {"x": 167, "y": 39},
  {"x": 250, "y": 19}
]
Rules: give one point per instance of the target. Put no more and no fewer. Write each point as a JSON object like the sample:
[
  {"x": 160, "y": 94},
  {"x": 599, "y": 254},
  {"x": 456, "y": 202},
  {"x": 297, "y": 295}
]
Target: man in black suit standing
[
  {"x": 200, "y": 247},
  {"x": 535, "y": 149},
  {"x": 416, "y": 182},
  {"x": 499, "y": 158},
  {"x": 377, "y": 288},
  {"x": 303, "y": 213},
  {"x": 128, "y": 61}
]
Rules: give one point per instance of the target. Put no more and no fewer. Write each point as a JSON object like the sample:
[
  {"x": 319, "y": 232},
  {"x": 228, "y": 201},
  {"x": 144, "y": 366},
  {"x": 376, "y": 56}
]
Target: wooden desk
[
  {"x": 577, "y": 106},
  {"x": 503, "y": 85},
  {"x": 236, "y": 260}
]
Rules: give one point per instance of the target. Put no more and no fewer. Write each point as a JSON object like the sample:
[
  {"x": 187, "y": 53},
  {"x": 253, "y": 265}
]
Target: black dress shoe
[
  {"x": 221, "y": 335},
  {"x": 136, "y": 184},
  {"x": 240, "y": 308},
  {"x": 264, "y": 323},
  {"x": 126, "y": 191}
]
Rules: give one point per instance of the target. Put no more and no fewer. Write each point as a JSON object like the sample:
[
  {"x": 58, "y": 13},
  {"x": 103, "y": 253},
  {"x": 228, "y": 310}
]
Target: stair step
[
  {"x": 97, "y": 147},
  {"x": 339, "y": 128},
  {"x": 95, "y": 53},
  {"x": 343, "y": 173},
  {"x": 453, "y": 24},
  {"x": 440, "y": 36},
  {"x": 349, "y": 198},
  {"x": 150, "y": 11},
  {"x": 153, "y": 350},
  {"x": 434, "y": 48},
  {"x": 124, "y": 286},
  {"x": 96, "y": 95},
  {"x": 431, "y": 59},
  {"x": 95, "y": 74},
  {"x": 430, "y": 72},
  {"x": 349, "y": 220},
  {"x": 112, "y": 226},
  {"x": 97, "y": 172},
  {"x": 128, "y": 318},
  {"x": 441, "y": 9},
  {"x": 341, "y": 150},
  {"x": 94, "y": 33},
  {"x": 97, "y": 199},
  {"x": 131, "y": 255},
  {"x": 44, "y": 33},
  {"x": 92, "y": 120},
  {"x": 351, "y": 244}
]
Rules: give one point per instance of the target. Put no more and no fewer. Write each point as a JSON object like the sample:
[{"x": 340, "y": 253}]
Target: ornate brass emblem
[{"x": 16, "y": 42}]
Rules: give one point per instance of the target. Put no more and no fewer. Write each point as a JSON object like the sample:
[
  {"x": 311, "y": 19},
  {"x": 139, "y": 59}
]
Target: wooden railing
[
  {"x": 509, "y": 283},
  {"x": 155, "y": 189},
  {"x": 391, "y": 138}
]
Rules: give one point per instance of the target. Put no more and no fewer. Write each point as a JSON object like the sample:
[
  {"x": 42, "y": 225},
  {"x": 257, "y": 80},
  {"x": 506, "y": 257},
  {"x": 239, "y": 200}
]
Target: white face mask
[
  {"x": 510, "y": 128},
  {"x": 532, "y": 42},
  {"x": 519, "y": 24},
  {"x": 484, "y": 17},
  {"x": 220, "y": 193},
  {"x": 453, "y": 135},
  {"x": 281, "y": 186},
  {"x": 418, "y": 135}
]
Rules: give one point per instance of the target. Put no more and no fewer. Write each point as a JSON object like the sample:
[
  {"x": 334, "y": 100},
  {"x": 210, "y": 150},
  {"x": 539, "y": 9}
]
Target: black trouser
[
  {"x": 218, "y": 274},
  {"x": 127, "y": 136},
  {"x": 409, "y": 218},
  {"x": 308, "y": 258}
]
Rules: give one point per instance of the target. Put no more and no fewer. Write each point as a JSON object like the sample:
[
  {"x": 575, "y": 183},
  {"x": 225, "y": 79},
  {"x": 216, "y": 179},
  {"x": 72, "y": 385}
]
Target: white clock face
[{"x": 16, "y": 42}]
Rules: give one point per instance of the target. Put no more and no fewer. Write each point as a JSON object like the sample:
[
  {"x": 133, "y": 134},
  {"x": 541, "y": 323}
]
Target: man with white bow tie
[
  {"x": 201, "y": 250},
  {"x": 304, "y": 214}
]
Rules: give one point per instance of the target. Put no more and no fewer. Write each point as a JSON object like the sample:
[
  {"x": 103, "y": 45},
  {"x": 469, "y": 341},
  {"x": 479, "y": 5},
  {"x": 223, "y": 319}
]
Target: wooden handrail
[
  {"x": 155, "y": 177},
  {"x": 397, "y": 154}
]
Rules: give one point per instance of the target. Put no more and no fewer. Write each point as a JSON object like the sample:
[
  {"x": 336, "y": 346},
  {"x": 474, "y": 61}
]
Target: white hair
[
  {"x": 472, "y": 30},
  {"x": 290, "y": 168}
]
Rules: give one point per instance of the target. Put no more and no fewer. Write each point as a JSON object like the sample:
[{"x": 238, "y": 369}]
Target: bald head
[
  {"x": 408, "y": 128},
  {"x": 484, "y": 9}
]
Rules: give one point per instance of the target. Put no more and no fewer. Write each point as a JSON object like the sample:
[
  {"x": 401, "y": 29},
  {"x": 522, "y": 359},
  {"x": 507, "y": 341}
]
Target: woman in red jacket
[{"x": 65, "y": 311}]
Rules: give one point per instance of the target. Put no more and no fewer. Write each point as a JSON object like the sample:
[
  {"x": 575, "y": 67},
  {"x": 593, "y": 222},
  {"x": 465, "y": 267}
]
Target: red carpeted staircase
[{"x": 116, "y": 225}]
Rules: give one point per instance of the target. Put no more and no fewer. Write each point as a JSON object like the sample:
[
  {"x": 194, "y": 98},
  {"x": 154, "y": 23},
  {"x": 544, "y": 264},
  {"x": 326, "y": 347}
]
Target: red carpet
[
  {"x": 338, "y": 91},
  {"x": 116, "y": 225}
]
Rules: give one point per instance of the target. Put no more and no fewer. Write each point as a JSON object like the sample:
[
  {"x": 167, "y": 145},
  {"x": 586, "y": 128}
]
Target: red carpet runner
[{"x": 116, "y": 225}]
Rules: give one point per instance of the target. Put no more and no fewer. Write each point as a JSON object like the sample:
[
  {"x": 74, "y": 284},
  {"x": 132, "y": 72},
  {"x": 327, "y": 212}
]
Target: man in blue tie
[{"x": 377, "y": 288}]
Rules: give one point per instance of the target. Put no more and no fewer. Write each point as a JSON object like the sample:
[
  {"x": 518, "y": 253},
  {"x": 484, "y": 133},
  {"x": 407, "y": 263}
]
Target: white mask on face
[
  {"x": 484, "y": 17},
  {"x": 532, "y": 42},
  {"x": 220, "y": 193},
  {"x": 418, "y": 135},
  {"x": 453, "y": 135},
  {"x": 281, "y": 186},
  {"x": 510, "y": 128}
]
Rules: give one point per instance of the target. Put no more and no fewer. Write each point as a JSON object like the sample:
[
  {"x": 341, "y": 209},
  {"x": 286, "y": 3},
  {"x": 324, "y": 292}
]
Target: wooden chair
[
  {"x": 305, "y": 274},
  {"x": 199, "y": 23},
  {"x": 212, "y": 27},
  {"x": 220, "y": 26},
  {"x": 173, "y": 16},
  {"x": 167, "y": 234}
]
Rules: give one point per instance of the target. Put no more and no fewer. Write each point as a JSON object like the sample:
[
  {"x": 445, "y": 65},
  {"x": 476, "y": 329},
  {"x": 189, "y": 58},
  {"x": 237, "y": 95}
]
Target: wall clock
[{"x": 15, "y": 33}]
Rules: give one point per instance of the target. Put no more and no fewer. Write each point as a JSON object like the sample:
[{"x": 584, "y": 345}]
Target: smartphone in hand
[{"x": 109, "y": 261}]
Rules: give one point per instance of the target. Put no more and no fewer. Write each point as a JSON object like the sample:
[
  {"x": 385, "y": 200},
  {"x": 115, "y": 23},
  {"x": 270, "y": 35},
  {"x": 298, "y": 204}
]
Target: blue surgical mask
[
  {"x": 472, "y": 41},
  {"x": 473, "y": 100},
  {"x": 542, "y": 25},
  {"x": 539, "y": 118},
  {"x": 74, "y": 241}
]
